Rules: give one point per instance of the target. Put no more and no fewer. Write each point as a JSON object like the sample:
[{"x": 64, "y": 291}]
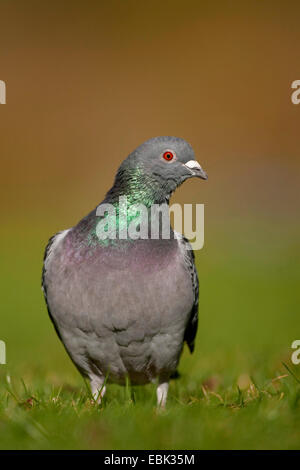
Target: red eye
[{"x": 168, "y": 155}]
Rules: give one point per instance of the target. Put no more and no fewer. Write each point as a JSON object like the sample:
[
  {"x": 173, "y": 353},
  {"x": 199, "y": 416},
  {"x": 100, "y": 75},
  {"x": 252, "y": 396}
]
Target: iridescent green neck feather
[{"x": 134, "y": 185}]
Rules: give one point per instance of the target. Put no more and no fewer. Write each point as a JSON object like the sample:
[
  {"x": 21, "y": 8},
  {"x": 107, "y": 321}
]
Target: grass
[
  {"x": 201, "y": 413},
  {"x": 239, "y": 390}
]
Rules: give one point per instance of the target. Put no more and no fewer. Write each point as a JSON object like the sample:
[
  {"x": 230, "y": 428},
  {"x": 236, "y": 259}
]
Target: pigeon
[{"x": 123, "y": 307}]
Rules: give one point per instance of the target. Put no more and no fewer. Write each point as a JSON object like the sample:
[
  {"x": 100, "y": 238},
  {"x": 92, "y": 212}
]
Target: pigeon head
[{"x": 153, "y": 171}]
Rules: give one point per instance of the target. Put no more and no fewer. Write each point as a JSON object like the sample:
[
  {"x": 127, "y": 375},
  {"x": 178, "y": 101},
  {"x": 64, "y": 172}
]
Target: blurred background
[{"x": 89, "y": 81}]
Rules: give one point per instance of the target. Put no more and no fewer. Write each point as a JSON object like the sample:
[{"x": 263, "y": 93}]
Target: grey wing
[
  {"x": 191, "y": 328},
  {"x": 47, "y": 254}
]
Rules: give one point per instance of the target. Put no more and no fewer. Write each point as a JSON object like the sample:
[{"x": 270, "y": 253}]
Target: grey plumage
[
  {"x": 124, "y": 309},
  {"x": 192, "y": 325}
]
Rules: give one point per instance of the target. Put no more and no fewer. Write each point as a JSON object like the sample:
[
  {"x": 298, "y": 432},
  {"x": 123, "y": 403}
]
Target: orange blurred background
[{"x": 89, "y": 81}]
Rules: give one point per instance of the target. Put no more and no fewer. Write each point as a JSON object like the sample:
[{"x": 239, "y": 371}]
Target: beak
[{"x": 196, "y": 170}]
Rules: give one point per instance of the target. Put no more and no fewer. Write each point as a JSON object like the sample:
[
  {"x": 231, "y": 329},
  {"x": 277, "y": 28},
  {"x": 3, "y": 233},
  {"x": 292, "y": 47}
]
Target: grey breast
[{"x": 120, "y": 310}]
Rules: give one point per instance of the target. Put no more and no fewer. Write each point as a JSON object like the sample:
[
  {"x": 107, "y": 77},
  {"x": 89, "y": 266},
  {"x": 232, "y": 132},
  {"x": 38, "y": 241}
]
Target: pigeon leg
[
  {"x": 98, "y": 388},
  {"x": 162, "y": 393}
]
